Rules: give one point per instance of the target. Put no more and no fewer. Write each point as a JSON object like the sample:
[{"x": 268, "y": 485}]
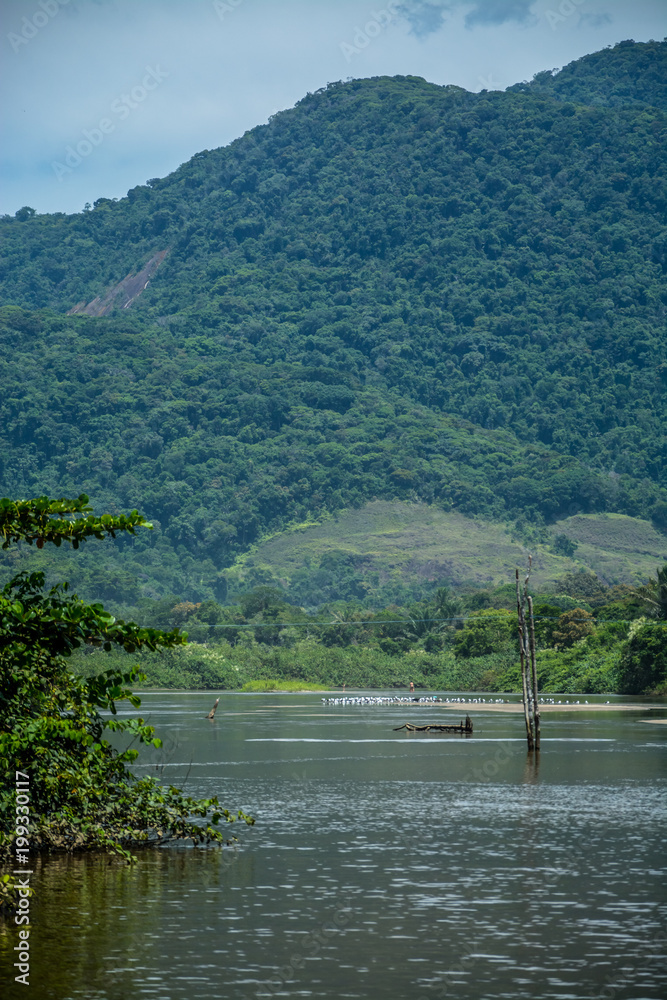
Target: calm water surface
[{"x": 382, "y": 864}]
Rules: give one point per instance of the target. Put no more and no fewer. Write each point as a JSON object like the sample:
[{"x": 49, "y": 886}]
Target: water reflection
[
  {"x": 380, "y": 866},
  {"x": 531, "y": 771}
]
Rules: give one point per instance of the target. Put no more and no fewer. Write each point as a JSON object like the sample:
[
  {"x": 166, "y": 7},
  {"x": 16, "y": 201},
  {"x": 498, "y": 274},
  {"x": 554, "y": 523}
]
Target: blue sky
[{"x": 100, "y": 95}]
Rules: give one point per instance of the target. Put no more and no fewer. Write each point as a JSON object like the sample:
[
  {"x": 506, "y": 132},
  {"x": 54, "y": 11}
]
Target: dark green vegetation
[
  {"x": 80, "y": 791},
  {"x": 392, "y": 290},
  {"x": 590, "y": 639},
  {"x": 625, "y": 76}
]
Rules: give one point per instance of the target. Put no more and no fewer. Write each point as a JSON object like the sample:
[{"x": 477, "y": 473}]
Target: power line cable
[{"x": 414, "y": 621}]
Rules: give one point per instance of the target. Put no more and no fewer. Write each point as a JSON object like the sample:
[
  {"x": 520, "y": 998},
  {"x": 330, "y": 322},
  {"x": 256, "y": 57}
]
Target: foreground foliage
[{"x": 82, "y": 794}]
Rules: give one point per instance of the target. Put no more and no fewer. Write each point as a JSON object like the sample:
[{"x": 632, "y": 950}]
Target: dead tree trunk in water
[
  {"x": 533, "y": 675},
  {"x": 522, "y": 654},
  {"x": 531, "y": 711}
]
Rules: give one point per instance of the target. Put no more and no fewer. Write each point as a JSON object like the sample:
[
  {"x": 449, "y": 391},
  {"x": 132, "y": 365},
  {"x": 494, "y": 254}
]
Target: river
[{"x": 382, "y": 864}]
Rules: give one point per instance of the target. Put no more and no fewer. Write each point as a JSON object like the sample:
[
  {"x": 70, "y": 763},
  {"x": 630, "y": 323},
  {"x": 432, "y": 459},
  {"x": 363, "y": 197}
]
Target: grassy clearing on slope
[
  {"x": 392, "y": 540},
  {"x": 619, "y": 549},
  {"x": 414, "y": 543}
]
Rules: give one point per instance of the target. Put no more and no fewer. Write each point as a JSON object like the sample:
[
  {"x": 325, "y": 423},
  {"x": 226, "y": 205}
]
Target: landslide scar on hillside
[{"x": 124, "y": 293}]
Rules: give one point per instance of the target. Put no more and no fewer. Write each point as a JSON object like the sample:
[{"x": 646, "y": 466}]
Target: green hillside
[
  {"x": 631, "y": 73},
  {"x": 397, "y": 551},
  {"x": 394, "y": 290},
  {"x": 618, "y": 549}
]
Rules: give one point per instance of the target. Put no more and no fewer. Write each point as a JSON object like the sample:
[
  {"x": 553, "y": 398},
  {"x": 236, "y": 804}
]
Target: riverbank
[{"x": 473, "y": 705}]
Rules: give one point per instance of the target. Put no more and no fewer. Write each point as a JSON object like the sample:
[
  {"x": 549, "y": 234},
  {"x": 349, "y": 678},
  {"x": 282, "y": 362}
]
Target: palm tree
[{"x": 654, "y": 593}]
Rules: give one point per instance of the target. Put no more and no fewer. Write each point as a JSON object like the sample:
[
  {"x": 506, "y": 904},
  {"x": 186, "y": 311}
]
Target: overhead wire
[{"x": 414, "y": 621}]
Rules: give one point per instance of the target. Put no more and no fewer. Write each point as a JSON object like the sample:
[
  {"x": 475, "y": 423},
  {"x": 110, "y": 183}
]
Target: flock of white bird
[
  {"x": 431, "y": 699},
  {"x": 369, "y": 700},
  {"x": 402, "y": 700}
]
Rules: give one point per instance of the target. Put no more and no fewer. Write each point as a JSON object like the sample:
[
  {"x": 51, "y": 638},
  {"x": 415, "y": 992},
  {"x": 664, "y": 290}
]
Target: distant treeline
[{"x": 590, "y": 639}]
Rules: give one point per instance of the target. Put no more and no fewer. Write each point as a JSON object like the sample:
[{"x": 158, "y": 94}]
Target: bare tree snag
[
  {"x": 531, "y": 708},
  {"x": 533, "y": 676},
  {"x": 523, "y": 656}
]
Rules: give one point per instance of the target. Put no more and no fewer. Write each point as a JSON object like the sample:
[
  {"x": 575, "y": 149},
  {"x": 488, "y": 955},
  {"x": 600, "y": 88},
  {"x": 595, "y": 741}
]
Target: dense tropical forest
[
  {"x": 602, "y": 639},
  {"x": 393, "y": 290}
]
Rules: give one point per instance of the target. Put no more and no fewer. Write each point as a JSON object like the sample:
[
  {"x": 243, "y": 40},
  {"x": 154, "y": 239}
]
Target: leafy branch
[{"x": 83, "y": 797}]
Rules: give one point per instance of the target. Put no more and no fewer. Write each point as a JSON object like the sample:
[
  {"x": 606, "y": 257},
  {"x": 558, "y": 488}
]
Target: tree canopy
[
  {"x": 38, "y": 521},
  {"x": 82, "y": 793},
  {"x": 393, "y": 289}
]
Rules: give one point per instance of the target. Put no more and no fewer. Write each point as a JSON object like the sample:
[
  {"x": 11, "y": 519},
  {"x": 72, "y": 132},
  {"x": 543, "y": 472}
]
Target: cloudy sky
[{"x": 100, "y": 95}]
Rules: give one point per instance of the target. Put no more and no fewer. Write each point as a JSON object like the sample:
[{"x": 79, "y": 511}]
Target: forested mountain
[
  {"x": 394, "y": 289},
  {"x": 627, "y": 75}
]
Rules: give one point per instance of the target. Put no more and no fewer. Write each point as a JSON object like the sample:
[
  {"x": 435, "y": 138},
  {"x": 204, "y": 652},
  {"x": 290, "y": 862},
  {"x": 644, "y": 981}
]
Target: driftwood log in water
[
  {"x": 463, "y": 727},
  {"x": 211, "y": 714}
]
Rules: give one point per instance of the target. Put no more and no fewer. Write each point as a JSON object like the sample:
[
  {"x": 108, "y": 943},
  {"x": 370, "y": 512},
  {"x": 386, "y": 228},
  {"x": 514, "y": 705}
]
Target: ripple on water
[{"x": 385, "y": 872}]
